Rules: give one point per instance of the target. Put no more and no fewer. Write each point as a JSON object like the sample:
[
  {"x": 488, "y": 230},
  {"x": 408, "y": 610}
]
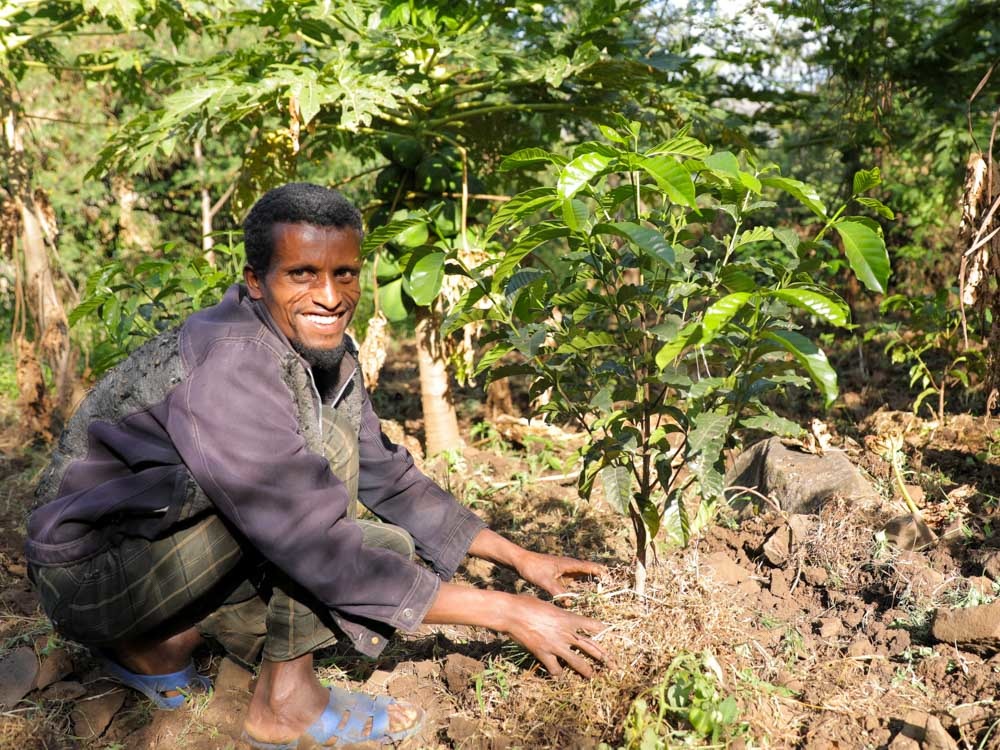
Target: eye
[
  {"x": 300, "y": 274},
  {"x": 348, "y": 274}
]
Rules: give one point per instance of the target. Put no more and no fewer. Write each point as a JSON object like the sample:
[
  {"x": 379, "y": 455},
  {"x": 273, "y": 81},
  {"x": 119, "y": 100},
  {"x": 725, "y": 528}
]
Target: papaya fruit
[{"x": 401, "y": 150}]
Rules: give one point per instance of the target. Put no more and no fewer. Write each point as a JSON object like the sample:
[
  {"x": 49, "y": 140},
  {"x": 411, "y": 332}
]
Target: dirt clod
[
  {"x": 459, "y": 670},
  {"x": 976, "y": 629}
]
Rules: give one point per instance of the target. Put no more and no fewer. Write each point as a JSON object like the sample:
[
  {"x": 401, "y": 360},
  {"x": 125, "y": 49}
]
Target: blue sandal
[
  {"x": 155, "y": 686},
  {"x": 327, "y": 726}
]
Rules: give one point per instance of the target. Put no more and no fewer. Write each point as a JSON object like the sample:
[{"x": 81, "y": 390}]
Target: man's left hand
[{"x": 547, "y": 571}]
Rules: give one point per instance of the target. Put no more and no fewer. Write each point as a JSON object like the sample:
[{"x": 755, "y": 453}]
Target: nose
[{"x": 326, "y": 294}]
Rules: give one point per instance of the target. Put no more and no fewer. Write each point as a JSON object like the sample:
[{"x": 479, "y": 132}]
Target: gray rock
[
  {"x": 797, "y": 481},
  {"x": 92, "y": 715},
  {"x": 18, "y": 670},
  {"x": 55, "y": 667},
  {"x": 975, "y": 629},
  {"x": 778, "y": 546},
  {"x": 907, "y": 533}
]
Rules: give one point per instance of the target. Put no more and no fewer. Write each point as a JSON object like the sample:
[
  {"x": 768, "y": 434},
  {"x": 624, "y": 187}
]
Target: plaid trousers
[{"x": 201, "y": 574}]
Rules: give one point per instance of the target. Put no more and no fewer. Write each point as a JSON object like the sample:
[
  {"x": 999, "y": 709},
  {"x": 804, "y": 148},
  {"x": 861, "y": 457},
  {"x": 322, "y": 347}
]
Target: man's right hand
[{"x": 554, "y": 635}]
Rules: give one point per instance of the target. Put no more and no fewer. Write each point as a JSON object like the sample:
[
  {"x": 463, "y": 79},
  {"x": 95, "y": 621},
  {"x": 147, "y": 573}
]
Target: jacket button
[
  {"x": 407, "y": 613},
  {"x": 374, "y": 641}
]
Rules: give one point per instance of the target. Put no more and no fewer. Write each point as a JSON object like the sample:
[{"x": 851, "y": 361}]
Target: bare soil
[{"x": 826, "y": 644}]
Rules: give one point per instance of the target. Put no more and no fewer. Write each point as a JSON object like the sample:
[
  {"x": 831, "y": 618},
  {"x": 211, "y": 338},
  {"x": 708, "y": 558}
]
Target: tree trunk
[
  {"x": 440, "y": 419},
  {"x": 36, "y": 280}
]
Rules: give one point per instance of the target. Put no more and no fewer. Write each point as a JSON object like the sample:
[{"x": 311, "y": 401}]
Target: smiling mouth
[{"x": 322, "y": 321}]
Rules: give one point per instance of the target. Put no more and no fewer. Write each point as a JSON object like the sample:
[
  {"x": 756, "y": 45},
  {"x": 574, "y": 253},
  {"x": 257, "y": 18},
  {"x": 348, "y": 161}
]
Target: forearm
[
  {"x": 489, "y": 545},
  {"x": 465, "y": 605}
]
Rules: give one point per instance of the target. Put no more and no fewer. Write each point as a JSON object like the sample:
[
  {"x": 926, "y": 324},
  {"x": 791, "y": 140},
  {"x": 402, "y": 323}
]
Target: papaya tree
[{"x": 649, "y": 291}]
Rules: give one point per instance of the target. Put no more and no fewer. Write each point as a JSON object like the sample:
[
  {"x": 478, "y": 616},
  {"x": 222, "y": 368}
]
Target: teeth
[{"x": 322, "y": 320}]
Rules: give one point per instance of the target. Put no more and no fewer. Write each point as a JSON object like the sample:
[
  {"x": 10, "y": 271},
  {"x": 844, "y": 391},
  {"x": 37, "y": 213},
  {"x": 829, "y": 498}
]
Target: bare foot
[{"x": 289, "y": 697}]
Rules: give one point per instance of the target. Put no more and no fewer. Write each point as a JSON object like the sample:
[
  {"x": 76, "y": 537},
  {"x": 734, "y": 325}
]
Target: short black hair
[{"x": 294, "y": 203}]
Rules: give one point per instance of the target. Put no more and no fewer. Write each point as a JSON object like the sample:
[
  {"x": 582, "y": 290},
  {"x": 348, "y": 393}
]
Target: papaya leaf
[
  {"x": 811, "y": 358},
  {"x": 866, "y": 253}
]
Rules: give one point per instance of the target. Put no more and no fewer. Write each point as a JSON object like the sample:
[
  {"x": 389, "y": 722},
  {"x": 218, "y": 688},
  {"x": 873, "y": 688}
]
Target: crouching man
[{"x": 207, "y": 487}]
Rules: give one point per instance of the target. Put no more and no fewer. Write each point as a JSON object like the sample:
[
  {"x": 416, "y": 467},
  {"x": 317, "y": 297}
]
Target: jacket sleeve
[
  {"x": 233, "y": 423},
  {"x": 398, "y": 492}
]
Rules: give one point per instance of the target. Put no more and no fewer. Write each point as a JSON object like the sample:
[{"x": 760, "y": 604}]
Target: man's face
[{"x": 312, "y": 285}]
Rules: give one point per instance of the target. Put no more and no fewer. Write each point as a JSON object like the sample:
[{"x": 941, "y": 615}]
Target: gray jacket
[{"x": 223, "y": 408}]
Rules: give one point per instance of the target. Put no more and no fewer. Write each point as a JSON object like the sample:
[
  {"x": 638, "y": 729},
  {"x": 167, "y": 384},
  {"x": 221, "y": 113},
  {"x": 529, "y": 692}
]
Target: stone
[
  {"x": 908, "y": 533},
  {"x": 459, "y": 671},
  {"x": 797, "y": 481},
  {"x": 18, "y": 670},
  {"x": 936, "y": 737},
  {"x": 830, "y": 627},
  {"x": 989, "y": 560},
  {"x": 91, "y": 716},
  {"x": 55, "y": 666},
  {"x": 815, "y": 575},
  {"x": 465, "y": 732},
  {"x": 724, "y": 569},
  {"x": 780, "y": 585},
  {"x": 800, "y": 526},
  {"x": 64, "y": 690},
  {"x": 777, "y": 547},
  {"x": 975, "y": 629}
]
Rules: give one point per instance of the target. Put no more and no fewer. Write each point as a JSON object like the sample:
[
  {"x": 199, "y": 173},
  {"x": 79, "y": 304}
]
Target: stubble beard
[{"x": 327, "y": 360}]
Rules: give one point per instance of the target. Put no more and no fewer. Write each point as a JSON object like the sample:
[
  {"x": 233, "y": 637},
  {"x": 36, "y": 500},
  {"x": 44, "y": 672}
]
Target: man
[{"x": 206, "y": 487}]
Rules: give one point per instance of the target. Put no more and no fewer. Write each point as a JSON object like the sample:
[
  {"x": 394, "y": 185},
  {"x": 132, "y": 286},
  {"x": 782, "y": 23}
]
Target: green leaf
[
  {"x": 720, "y": 313},
  {"x": 530, "y": 157},
  {"x": 757, "y": 234},
  {"x": 589, "y": 340},
  {"x": 787, "y": 237},
  {"x": 723, "y": 163},
  {"x": 830, "y": 309},
  {"x": 521, "y": 279},
  {"x": 617, "y": 483},
  {"x": 672, "y": 179},
  {"x": 579, "y": 172},
  {"x": 877, "y": 206},
  {"x": 682, "y": 145},
  {"x": 811, "y": 358},
  {"x": 774, "y": 424},
  {"x": 672, "y": 349},
  {"x": 413, "y": 236},
  {"x": 426, "y": 277},
  {"x": 521, "y": 206},
  {"x": 611, "y": 134},
  {"x": 378, "y": 237},
  {"x": 709, "y": 433},
  {"x": 650, "y": 241},
  {"x": 866, "y": 179},
  {"x": 805, "y": 194},
  {"x": 390, "y": 301},
  {"x": 575, "y": 214},
  {"x": 866, "y": 253},
  {"x": 493, "y": 356}
]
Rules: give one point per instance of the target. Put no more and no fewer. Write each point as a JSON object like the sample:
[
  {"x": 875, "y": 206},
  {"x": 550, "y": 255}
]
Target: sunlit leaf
[
  {"x": 672, "y": 179},
  {"x": 650, "y": 241},
  {"x": 833, "y": 311},
  {"x": 811, "y": 358},
  {"x": 866, "y": 253},
  {"x": 805, "y": 194},
  {"x": 425, "y": 278},
  {"x": 390, "y": 301},
  {"x": 580, "y": 172}
]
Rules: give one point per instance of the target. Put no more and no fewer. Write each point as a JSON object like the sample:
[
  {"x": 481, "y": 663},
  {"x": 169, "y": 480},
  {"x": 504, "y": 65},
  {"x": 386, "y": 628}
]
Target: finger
[
  {"x": 585, "y": 623},
  {"x": 551, "y": 664},
  {"x": 591, "y": 648},
  {"x": 583, "y": 567},
  {"x": 576, "y": 662},
  {"x": 555, "y": 587}
]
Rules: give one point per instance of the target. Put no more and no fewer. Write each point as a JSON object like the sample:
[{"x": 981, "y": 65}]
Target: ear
[{"x": 254, "y": 283}]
